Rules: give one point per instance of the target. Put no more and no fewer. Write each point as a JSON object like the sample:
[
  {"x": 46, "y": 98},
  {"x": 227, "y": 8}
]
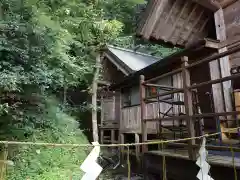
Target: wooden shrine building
[{"x": 190, "y": 93}]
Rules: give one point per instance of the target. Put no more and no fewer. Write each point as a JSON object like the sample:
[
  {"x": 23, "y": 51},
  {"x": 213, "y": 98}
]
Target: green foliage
[
  {"x": 49, "y": 163},
  {"x": 47, "y": 45},
  {"x": 51, "y": 43}
]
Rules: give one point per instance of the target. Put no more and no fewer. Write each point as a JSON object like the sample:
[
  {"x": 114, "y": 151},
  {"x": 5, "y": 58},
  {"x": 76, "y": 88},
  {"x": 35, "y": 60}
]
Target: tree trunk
[{"x": 94, "y": 99}]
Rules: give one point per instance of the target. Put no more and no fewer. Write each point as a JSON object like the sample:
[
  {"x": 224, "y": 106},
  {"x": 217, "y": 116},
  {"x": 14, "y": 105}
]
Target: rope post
[
  {"x": 188, "y": 107},
  {"x": 121, "y": 141},
  {"x": 142, "y": 90},
  {"x": 128, "y": 163},
  {"x": 4, "y": 162},
  {"x": 102, "y": 119}
]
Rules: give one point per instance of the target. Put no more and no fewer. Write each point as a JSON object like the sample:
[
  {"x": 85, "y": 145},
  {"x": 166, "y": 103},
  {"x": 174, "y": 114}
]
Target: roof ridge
[{"x": 132, "y": 51}]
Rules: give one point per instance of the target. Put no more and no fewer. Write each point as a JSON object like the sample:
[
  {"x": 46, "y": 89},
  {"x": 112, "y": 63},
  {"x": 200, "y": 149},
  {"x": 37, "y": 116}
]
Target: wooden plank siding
[
  {"x": 131, "y": 121},
  {"x": 131, "y": 116},
  {"x": 179, "y": 22},
  {"x": 110, "y": 111},
  {"x": 232, "y": 23}
]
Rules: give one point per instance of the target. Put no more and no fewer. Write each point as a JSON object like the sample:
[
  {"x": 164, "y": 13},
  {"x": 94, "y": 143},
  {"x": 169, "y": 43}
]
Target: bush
[{"x": 50, "y": 163}]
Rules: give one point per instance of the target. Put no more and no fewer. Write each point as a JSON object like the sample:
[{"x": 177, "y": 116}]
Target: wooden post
[
  {"x": 101, "y": 136},
  {"x": 143, "y": 113},
  {"x": 121, "y": 141},
  {"x": 94, "y": 100},
  {"x": 137, "y": 150},
  {"x": 221, "y": 68},
  {"x": 188, "y": 107},
  {"x": 4, "y": 162},
  {"x": 112, "y": 136},
  {"x": 102, "y": 119}
]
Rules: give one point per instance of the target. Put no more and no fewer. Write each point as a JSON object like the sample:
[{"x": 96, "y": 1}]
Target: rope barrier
[
  {"x": 116, "y": 145},
  {"x": 128, "y": 145}
]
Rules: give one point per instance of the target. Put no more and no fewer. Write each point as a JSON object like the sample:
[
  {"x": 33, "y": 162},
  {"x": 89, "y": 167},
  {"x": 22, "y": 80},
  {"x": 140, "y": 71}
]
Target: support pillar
[
  {"x": 189, "y": 107},
  {"x": 143, "y": 113}
]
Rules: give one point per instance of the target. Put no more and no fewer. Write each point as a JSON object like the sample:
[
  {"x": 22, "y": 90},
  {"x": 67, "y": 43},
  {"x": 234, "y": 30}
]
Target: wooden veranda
[{"x": 193, "y": 118}]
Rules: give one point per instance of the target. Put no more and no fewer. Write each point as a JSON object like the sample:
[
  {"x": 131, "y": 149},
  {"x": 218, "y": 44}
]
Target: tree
[{"x": 94, "y": 98}]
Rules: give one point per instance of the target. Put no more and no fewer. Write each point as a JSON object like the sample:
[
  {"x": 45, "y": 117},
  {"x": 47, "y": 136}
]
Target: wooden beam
[
  {"x": 199, "y": 33},
  {"x": 137, "y": 148},
  {"x": 112, "y": 136},
  {"x": 153, "y": 18},
  {"x": 215, "y": 81},
  {"x": 143, "y": 113},
  {"x": 229, "y": 42},
  {"x": 121, "y": 141},
  {"x": 216, "y": 56},
  {"x": 142, "y": 25},
  {"x": 209, "y": 4},
  {"x": 225, "y": 68},
  {"x": 177, "y": 118},
  {"x": 188, "y": 107},
  {"x": 102, "y": 119},
  {"x": 152, "y": 4},
  {"x": 204, "y": 24},
  {"x": 225, "y": 3},
  {"x": 178, "y": 18},
  {"x": 180, "y": 90},
  {"x": 194, "y": 24},
  {"x": 171, "y": 10},
  {"x": 164, "y": 75},
  {"x": 101, "y": 136},
  {"x": 211, "y": 43},
  {"x": 186, "y": 22}
]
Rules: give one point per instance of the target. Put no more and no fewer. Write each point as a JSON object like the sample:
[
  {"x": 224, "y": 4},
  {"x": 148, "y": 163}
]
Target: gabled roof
[
  {"x": 128, "y": 61},
  {"x": 199, "y": 50}
]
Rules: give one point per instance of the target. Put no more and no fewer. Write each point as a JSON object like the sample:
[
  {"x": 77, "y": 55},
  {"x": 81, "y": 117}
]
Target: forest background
[{"x": 47, "y": 58}]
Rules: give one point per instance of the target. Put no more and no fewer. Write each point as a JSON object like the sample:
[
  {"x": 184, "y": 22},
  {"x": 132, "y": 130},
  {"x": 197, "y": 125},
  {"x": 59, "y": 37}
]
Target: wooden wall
[
  {"x": 130, "y": 116},
  {"x": 232, "y": 21},
  {"x": 110, "y": 72},
  {"x": 110, "y": 111}
]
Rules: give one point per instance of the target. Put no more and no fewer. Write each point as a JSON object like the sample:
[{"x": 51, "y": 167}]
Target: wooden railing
[
  {"x": 187, "y": 91},
  {"x": 131, "y": 118}
]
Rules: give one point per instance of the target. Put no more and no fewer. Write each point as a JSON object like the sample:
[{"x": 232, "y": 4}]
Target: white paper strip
[
  {"x": 94, "y": 172},
  {"x": 202, "y": 163},
  {"x": 89, "y": 166}
]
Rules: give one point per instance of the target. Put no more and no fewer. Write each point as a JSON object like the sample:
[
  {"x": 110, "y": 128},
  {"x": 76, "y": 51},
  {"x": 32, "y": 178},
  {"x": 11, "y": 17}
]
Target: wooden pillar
[
  {"x": 221, "y": 68},
  {"x": 137, "y": 150},
  {"x": 121, "y": 141},
  {"x": 188, "y": 107},
  {"x": 112, "y": 136},
  {"x": 101, "y": 123},
  {"x": 94, "y": 99},
  {"x": 101, "y": 136},
  {"x": 143, "y": 113},
  {"x": 3, "y": 164}
]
